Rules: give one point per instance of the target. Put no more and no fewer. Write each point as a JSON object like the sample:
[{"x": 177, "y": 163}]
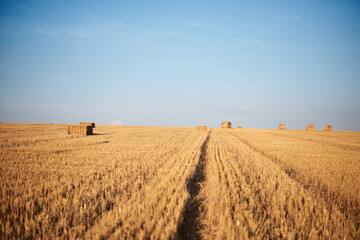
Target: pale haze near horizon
[{"x": 185, "y": 63}]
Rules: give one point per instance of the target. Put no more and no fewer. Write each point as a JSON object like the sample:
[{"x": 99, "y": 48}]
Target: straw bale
[
  {"x": 226, "y": 125},
  {"x": 310, "y": 127},
  {"x": 282, "y": 126},
  {"x": 327, "y": 128},
  {"x": 201, "y": 128},
  {"x": 347, "y": 130},
  {"x": 80, "y": 129}
]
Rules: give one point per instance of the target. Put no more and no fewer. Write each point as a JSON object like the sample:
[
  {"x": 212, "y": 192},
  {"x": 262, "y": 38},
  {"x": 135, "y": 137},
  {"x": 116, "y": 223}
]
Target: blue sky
[{"x": 181, "y": 63}]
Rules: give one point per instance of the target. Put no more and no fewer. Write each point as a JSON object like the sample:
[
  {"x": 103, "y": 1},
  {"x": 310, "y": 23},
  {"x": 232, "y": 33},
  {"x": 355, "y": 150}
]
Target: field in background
[{"x": 161, "y": 182}]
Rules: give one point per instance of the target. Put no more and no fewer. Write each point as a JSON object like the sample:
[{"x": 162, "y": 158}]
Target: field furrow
[
  {"x": 157, "y": 208},
  {"x": 189, "y": 227}
]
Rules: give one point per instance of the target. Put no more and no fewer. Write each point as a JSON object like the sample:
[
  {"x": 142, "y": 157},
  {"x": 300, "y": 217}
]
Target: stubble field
[{"x": 178, "y": 183}]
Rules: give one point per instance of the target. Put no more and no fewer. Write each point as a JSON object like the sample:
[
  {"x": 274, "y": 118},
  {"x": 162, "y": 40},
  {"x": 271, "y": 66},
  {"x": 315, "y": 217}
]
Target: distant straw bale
[
  {"x": 282, "y": 126},
  {"x": 327, "y": 128},
  {"x": 201, "y": 128},
  {"x": 80, "y": 129},
  {"x": 347, "y": 130},
  {"x": 88, "y": 123},
  {"x": 239, "y": 127},
  {"x": 310, "y": 127},
  {"x": 226, "y": 125}
]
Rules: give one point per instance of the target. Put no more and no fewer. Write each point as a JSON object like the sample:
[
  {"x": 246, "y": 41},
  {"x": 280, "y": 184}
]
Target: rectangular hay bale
[
  {"x": 201, "y": 128},
  {"x": 226, "y": 125},
  {"x": 328, "y": 128},
  {"x": 84, "y": 130}
]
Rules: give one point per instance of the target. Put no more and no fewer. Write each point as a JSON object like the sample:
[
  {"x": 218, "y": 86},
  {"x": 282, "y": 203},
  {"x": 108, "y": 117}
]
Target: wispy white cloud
[
  {"x": 17, "y": 28},
  {"x": 219, "y": 29},
  {"x": 113, "y": 30},
  {"x": 99, "y": 29},
  {"x": 47, "y": 32},
  {"x": 97, "y": 32}
]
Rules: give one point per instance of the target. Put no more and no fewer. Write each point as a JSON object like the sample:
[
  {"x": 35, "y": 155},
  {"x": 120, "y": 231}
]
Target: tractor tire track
[{"x": 190, "y": 226}]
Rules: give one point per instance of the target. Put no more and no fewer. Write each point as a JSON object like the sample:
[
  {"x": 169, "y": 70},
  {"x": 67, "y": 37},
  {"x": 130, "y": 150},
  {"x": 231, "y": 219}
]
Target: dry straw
[
  {"x": 88, "y": 123},
  {"x": 226, "y": 125},
  {"x": 201, "y": 128},
  {"x": 239, "y": 127},
  {"x": 80, "y": 129},
  {"x": 282, "y": 126},
  {"x": 347, "y": 130},
  {"x": 327, "y": 128},
  {"x": 310, "y": 127}
]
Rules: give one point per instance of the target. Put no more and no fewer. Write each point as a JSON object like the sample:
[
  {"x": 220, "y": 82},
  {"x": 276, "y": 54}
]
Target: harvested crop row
[
  {"x": 156, "y": 209},
  {"x": 327, "y": 170},
  {"x": 246, "y": 195},
  {"x": 344, "y": 140},
  {"x": 68, "y": 192}
]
